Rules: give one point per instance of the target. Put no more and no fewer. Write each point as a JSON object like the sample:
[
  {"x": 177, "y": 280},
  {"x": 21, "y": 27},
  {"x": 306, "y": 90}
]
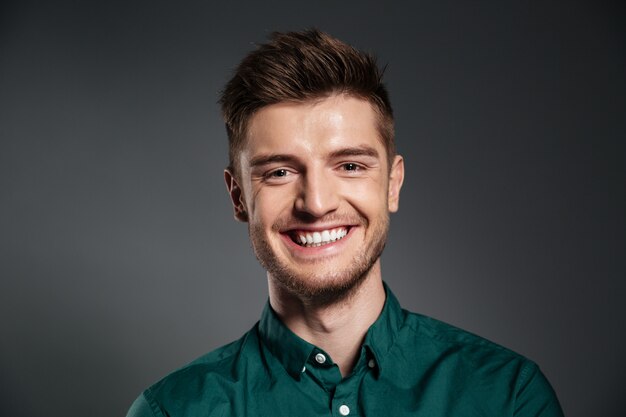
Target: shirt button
[
  {"x": 320, "y": 358},
  {"x": 303, "y": 369},
  {"x": 371, "y": 363},
  {"x": 344, "y": 410}
]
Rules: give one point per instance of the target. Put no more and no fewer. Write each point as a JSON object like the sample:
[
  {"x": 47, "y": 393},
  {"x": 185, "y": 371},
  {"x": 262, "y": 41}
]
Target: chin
[
  {"x": 324, "y": 285},
  {"x": 317, "y": 277},
  {"x": 318, "y": 289}
]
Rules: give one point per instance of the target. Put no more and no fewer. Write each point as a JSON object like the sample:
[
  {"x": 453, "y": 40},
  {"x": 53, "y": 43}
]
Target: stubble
[{"x": 326, "y": 287}]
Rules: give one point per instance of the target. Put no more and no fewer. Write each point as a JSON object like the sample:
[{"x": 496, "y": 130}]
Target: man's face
[{"x": 316, "y": 191}]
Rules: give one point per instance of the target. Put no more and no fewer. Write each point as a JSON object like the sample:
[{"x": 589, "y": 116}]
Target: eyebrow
[
  {"x": 362, "y": 150},
  {"x": 267, "y": 159},
  {"x": 270, "y": 159}
]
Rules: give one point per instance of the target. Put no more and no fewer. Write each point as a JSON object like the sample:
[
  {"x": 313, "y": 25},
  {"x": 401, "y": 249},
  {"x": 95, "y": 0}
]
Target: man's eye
[
  {"x": 278, "y": 173},
  {"x": 351, "y": 167}
]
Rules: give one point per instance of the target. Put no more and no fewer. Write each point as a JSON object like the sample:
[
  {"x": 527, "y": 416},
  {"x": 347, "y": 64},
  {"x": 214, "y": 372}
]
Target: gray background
[{"x": 119, "y": 258}]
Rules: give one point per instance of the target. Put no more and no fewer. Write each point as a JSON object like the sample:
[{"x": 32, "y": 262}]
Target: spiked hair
[{"x": 297, "y": 67}]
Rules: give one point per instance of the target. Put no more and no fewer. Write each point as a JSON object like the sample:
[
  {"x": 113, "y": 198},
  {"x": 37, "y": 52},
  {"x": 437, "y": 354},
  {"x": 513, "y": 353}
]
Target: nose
[{"x": 317, "y": 194}]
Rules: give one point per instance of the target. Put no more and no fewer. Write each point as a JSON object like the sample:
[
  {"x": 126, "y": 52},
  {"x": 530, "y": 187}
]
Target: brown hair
[{"x": 301, "y": 66}]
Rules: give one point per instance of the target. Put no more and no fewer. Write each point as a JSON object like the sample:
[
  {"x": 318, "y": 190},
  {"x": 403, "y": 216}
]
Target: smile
[{"x": 310, "y": 239}]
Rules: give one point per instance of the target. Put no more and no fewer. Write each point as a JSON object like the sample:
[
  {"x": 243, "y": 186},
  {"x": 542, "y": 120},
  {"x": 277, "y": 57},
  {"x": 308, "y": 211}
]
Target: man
[{"x": 313, "y": 171}]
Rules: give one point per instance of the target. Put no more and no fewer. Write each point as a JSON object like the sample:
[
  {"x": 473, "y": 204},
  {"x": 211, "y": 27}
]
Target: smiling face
[{"x": 316, "y": 191}]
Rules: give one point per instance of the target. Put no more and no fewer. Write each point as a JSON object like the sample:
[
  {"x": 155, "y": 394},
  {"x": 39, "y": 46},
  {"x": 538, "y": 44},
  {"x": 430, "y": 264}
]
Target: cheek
[
  {"x": 271, "y": 204},
  {"x": 366, "y": 196}
]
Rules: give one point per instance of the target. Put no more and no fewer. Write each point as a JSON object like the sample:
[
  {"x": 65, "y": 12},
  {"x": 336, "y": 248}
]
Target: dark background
[{"x": 119, "y": 258}]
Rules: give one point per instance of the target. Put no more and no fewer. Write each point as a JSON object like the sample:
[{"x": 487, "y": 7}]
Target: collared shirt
[{"x": 409, "y": 365}]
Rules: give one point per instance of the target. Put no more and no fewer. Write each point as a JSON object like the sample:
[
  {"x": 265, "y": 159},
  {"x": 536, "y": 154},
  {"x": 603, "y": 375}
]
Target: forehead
[{"x": 312, "y": 127}]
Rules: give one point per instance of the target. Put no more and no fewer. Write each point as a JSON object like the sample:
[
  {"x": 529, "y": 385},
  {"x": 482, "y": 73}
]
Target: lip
[
  {"x": 316, "y": 228},
  {"x": 316, "y": 251}
]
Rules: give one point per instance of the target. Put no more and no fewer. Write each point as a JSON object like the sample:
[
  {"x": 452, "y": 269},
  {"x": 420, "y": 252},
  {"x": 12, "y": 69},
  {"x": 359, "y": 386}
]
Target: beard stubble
[{"x": 331, "y": 286}]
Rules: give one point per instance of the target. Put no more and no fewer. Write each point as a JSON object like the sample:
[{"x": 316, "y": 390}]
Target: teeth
[{"x": 320, "y": 238}]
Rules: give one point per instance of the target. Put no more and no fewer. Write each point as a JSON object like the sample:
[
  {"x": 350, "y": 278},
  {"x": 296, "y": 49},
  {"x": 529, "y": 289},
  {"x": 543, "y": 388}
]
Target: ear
[
  {"x": 396, "y": 177},
  {"x": 236, "y": 196}
]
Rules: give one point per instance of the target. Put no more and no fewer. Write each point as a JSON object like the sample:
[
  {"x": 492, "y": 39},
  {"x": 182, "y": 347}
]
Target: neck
[{"x": 338, "y": 328}]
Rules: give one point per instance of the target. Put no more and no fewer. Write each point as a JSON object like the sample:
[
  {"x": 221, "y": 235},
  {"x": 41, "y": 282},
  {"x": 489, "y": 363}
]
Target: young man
[{"x": 313, "y": 171}]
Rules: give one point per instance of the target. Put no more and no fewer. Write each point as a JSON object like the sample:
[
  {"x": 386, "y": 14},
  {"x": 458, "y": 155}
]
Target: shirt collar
[
  {"x": 290, "y": 350},
  {"x": 293, "y": 352},
  {"x": 382, "y": 334}
]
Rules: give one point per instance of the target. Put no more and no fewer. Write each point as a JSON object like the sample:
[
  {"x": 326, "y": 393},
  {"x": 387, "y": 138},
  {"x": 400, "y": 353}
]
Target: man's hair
[{"x": 298, "y": 67}]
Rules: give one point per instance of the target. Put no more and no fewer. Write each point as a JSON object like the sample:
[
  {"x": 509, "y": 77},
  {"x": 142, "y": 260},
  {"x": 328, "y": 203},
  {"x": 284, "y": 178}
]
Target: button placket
[
  {"x": 342, "y": 407},
  {"x": 321, "y": 367},
  {"x": 344, "y": 402}
]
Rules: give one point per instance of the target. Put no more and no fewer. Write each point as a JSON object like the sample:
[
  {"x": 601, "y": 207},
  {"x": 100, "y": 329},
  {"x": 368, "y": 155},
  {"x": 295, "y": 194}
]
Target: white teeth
[{"x": 320, "y": 238}]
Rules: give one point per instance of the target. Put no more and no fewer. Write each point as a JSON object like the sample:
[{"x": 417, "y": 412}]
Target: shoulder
[
  {"x": 445, "y": 338},
  {"x": 202, "y": 383},
  {"x": 465, "y": 357},
  {"x": 478, "y": 368}
]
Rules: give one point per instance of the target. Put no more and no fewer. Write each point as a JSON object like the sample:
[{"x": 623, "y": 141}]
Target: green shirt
[{"x": 409, "y": 365}]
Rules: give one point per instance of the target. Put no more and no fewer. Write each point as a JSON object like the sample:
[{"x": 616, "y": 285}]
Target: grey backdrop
[{"x": 119, "y": 258}]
